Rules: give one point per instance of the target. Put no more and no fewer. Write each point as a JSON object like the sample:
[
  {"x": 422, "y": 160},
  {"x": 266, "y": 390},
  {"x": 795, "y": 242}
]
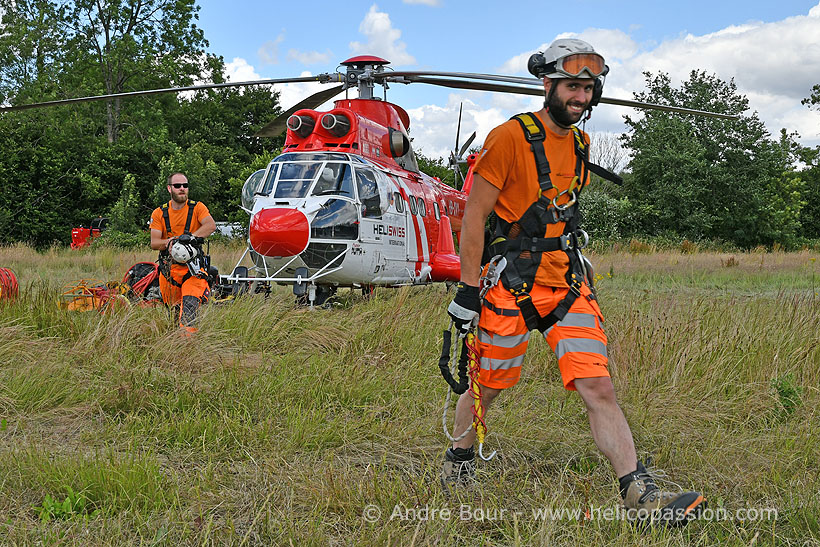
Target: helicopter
[{"x": 345, "y": 203}]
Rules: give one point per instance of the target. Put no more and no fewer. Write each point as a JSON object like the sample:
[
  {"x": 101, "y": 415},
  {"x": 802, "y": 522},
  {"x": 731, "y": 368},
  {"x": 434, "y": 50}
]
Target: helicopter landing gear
[{"x": 315, "y": 295}]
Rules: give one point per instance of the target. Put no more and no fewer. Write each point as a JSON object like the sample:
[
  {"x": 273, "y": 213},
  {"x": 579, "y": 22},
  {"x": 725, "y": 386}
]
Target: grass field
[{"x": 276, "y": 425}]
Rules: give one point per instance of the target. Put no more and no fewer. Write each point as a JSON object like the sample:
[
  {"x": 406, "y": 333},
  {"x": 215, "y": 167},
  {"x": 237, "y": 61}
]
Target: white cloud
[
  {"x": 773, "y": 64},
  {"x": 308, "y": 57},
  {"x": 239, "y": 70},
  {"x": 434, "y": 127},
  {"x": 382, "y": 39},
  {"x": 269, "y": 52}
]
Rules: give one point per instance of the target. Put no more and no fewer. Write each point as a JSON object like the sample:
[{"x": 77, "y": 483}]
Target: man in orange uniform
[
  {"x": 189, "y": 219},
  {"x": 530, "y": 174}
]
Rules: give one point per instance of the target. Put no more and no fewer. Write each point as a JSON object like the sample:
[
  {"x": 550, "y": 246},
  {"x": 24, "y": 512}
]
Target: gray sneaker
[
  {"x": 647, "y": 503},
  {"x": 458, "y": 469}
]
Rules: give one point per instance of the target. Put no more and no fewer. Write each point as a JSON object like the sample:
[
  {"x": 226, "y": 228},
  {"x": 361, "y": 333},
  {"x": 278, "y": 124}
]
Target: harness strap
[
  {"x": 167, "y": 217},
  {"x": 535, "y": 135},
  {"x": 501, "y": 311},
  {"x": 172, "y": 281}
]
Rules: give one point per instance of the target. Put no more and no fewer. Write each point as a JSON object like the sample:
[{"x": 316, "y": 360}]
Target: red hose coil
[{"x": 8, "y": 284}]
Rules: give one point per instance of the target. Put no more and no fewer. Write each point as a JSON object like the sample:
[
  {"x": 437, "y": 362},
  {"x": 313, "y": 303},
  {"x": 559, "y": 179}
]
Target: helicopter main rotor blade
[
  {"x": 323, "y": 78},
  {"x": 277, "y": 126},
  {"x": 434, "y": 78}
]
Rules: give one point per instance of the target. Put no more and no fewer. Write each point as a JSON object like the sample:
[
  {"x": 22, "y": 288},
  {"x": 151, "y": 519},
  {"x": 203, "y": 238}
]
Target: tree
[
  {"x": 702, "y": 177},
  {"x": 136, "y": 44},
  {"x": 62, "y": 166},
  {"x": 31, "y": 48}
]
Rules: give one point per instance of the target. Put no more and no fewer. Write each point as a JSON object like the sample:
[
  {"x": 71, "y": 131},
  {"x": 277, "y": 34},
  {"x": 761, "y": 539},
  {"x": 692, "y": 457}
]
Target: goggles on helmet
[{"x": 572, "y": 66}]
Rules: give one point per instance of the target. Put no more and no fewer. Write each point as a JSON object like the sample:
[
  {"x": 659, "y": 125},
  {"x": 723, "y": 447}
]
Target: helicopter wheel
[{"x": 368, "y": 291}]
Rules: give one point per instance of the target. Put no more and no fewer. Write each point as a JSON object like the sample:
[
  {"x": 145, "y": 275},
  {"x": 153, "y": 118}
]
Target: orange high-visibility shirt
[{"x": 507, "y": 162}]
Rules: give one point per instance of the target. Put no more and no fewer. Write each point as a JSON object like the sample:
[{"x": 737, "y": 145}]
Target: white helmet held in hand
[{"x": 182, "y": 253}]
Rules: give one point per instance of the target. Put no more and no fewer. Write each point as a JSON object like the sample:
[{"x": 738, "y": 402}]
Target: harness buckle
[
  {"x": 575, "y": 285},
  {"x": 566, "y": 242}
]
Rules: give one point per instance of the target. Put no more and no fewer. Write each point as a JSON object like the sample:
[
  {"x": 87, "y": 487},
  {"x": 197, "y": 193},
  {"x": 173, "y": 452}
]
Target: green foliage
[
  {"x": 74, "y": 505},
  {"x": 437, "y": 167},
  {"x": 708, "y": 177},
  {"x": 133, "y": 240},
  {"x": 788, "y": 394},
  {"x": 124, "y": 215},
  {"x": 236, "y": 182}
]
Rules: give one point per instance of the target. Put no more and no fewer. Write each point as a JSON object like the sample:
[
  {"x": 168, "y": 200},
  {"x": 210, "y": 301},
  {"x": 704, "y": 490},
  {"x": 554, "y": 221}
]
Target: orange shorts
[{"x": 578, "y": 340}]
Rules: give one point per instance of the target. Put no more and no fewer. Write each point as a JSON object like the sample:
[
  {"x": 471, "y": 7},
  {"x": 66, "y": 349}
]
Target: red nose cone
[{"x": 279, "y": 232}]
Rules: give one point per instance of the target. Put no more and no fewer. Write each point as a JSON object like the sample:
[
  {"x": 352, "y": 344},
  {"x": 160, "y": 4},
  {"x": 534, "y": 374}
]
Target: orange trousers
[{"x": 185, "y": 294}]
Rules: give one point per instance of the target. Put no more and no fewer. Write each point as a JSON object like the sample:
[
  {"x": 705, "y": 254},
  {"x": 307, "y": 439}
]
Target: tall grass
[{"x": 278, "y": 425}]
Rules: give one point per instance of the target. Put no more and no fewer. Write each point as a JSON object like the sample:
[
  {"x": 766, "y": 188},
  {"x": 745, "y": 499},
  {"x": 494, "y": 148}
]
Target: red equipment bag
[{"x": 142, "y": 280}]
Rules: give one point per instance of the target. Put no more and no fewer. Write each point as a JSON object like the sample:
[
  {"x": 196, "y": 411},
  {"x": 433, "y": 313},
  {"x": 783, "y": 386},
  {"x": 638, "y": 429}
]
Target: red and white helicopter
[{"x": 345, "y": 204}]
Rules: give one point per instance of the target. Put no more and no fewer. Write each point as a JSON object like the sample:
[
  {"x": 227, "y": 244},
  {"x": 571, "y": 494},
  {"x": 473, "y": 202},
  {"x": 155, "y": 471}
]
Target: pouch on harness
[
  {"x": 522, "y": 242},
  {"x": 199, "y": 266}
]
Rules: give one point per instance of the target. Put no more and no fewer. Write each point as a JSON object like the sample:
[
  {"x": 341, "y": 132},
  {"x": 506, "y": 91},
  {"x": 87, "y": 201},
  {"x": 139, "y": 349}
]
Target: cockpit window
[
  {"x": 270, "y": 180},
  {"x": 295, "y": 179},
  {"x": 334, "y": 179}
]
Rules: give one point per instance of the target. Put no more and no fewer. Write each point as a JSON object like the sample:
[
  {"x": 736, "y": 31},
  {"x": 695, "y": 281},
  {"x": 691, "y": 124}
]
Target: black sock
[
  {"x": 462, "y": 454},
  {"x": 624, "y": 481}
]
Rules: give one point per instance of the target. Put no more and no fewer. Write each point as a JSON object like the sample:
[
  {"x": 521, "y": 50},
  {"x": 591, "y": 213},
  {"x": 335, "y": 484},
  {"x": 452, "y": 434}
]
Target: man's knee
[{"x": 596, "y": 392}]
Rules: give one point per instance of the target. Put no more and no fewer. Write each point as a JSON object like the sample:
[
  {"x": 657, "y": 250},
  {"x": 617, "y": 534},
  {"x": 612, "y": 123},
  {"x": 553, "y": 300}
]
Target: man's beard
[
  {"x": 179, "y": 199},
  {"x": 560, "y": 114}
]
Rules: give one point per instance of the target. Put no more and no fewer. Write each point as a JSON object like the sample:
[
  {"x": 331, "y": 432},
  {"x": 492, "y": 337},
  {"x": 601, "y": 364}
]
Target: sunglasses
[{"x": 179, "y": 185}]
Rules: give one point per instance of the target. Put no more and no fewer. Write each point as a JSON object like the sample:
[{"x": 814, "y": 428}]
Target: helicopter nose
[{"x": 279, "y": 232}]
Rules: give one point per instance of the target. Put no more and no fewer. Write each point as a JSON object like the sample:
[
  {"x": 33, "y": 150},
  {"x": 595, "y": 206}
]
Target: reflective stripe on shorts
[
  {"x": 501, "y": 364},
  {"x": 502, "y": 341},
  {"x": 576, "y": 320},
  {"x": 586, "y": 345}
]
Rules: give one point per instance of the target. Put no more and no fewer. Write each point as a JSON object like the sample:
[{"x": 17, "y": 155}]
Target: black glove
[
  {"x": 197, "y": 240},
  {"x": 185, "y": 238},
  {"x": 465, "y": 307}
]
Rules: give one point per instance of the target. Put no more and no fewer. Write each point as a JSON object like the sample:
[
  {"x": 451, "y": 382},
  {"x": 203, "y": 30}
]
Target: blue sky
[{"x": 771, "y": 49}]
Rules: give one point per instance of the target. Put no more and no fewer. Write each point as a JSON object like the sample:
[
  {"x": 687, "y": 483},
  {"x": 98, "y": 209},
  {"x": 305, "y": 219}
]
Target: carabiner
[
  {"x": 568, "y": 204},
  {"x": 481, "y": 453}
]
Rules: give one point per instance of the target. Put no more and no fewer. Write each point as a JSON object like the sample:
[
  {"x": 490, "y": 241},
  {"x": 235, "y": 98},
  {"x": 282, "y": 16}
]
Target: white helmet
[
  {"x": 182, "y": 253},
  {"x": 568, "y": 58}
]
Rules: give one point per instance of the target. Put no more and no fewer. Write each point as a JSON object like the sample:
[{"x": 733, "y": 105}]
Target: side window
[
  {"x": 436, "y": 210},
  {"x": 412, "y": 202},
  {"x": 399, "y": 202},
  {"x": 251, "y": 187},
  {"x": 422, "y": 207},
  {"x": 335, "y": 178},
  {"x": 368, "y": 193}
]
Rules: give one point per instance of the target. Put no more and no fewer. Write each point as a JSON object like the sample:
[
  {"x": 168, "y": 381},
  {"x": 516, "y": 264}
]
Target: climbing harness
[
  {"x": 522, "y": 241},
  {"x": 468, "y": 365},
  {"x": 198, "y": 266}
]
